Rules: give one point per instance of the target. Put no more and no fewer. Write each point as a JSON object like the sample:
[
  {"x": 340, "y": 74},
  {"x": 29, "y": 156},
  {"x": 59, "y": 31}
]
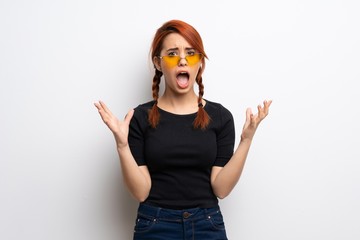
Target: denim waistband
[{"x": 176, "y": 215}]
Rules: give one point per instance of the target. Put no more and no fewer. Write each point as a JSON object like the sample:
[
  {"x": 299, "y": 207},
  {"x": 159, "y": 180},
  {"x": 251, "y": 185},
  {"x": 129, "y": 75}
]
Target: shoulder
[
  {"x": 141, "y": 112},
  {"x": 143, "y": 108},
  {"x": 221, "y": 119},
  {"x": 220, "y": 116},
  {"x": 217, "y": 109}
]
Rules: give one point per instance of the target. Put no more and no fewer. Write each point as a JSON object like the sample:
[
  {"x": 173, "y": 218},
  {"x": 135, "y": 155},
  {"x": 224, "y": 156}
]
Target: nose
[{"x": 182, "y": 61}]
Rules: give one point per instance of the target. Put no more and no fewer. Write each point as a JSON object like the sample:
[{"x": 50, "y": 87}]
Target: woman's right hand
[{"x": 120, "y": 129}]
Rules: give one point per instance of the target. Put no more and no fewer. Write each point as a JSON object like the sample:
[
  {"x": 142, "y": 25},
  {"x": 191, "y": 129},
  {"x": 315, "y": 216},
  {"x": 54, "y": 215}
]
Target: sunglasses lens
[
  {"x": 171, "y": 61},
  {"x": 193, "y": 59}
]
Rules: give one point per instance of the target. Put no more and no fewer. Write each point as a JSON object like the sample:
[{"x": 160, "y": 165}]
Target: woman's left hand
[{"x": 253, "y": 121}]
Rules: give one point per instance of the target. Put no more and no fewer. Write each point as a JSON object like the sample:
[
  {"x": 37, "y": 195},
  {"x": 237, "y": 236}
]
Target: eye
[
  {"x": 171, "y": 54},
  {"x": 190, "y": 53}
]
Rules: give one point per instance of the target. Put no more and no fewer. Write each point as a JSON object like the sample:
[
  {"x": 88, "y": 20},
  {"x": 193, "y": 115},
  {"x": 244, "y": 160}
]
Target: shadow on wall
[
  {"x": 121, "y": 207},
  {"x": 113, "y": 205},
  {"x": 128, "y": 210},
  {"x": 120, "y": 210}
]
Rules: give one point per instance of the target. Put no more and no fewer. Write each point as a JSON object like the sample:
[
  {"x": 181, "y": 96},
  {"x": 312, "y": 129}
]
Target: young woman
[{"x": 177, "y": 151}]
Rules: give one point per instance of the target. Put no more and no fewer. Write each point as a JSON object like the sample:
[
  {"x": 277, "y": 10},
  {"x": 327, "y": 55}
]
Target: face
[{"x": 179, "y": 62}]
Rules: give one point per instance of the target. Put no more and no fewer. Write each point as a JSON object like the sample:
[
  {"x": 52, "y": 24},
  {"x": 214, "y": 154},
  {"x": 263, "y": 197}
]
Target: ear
[{"x": 157, "y": 64}]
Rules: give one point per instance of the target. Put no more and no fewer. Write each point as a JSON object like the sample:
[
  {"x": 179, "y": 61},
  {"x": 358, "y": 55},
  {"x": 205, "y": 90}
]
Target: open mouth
[{"x": 182, "y": 79}]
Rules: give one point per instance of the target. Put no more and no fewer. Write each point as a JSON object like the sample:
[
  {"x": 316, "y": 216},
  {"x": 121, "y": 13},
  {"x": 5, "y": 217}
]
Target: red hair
[{"x": 194, "y": 39}]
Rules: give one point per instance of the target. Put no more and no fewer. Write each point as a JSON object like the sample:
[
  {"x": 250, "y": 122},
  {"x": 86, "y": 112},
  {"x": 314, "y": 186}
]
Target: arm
[
  {"x": 224, "y": 179},
  {"x": 137, "y": 179}
]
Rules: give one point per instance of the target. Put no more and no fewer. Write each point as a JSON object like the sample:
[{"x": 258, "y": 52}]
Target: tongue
[{"x": 182, "y": 81}]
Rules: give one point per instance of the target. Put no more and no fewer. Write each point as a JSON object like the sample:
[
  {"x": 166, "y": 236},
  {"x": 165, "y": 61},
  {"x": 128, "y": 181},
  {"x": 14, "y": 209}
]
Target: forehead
[{"x": 175, "y": 40}]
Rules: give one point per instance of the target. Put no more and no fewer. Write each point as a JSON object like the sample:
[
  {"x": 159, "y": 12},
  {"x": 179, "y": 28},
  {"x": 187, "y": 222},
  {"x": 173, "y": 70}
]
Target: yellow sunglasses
[{"x": 173, "y": 60}]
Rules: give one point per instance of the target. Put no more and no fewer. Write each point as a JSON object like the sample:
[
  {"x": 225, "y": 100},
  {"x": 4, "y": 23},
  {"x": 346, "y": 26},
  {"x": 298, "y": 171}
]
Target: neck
[{"x": 180, "y": 104}]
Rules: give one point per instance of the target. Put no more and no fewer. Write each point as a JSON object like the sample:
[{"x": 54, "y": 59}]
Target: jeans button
[{"x": 186, "y": 214}]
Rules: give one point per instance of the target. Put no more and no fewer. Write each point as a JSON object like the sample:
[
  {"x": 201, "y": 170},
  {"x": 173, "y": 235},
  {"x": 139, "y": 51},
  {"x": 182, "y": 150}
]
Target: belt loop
[
  {"x": 158, "y": 212},
  {"x": 206, "y": 211}
]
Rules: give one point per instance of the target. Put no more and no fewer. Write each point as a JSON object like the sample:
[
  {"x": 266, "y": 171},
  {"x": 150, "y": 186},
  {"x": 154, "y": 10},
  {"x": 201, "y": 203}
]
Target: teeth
[{"x": 182, "y": 73}]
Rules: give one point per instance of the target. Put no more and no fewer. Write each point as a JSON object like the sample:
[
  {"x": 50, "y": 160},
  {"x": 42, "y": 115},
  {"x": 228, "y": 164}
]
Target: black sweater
[{"x": 179, "y": 157}]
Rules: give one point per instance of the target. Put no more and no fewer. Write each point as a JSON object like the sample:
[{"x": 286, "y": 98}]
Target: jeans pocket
[
  {"x": 143, "y": 223},
  {"x": 216, "y": 220}
]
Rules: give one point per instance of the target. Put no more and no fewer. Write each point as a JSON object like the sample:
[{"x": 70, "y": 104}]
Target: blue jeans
[{"x": 154, "y": 223}]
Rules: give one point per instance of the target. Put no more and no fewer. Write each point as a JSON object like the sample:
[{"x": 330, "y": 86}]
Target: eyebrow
[{"x": 176, "y": 49}]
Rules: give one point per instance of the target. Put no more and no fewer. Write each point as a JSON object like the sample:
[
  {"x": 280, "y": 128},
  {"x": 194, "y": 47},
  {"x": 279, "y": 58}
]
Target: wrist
[
  {"x": 121, "y": 146},
  {"x": 244, "y": 140}
]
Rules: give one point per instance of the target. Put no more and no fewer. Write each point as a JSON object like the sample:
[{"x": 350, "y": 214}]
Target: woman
[{"x": 177, "y": 150}]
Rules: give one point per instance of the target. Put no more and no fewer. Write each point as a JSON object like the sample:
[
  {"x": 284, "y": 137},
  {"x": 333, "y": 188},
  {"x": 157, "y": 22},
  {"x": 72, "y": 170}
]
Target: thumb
[
  {"x": 248, "y": 117},
  {"x": 128, "y": 116}
]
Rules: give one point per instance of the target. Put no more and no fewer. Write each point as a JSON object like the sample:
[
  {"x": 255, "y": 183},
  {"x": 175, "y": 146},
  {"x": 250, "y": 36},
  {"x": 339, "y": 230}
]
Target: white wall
[{"x": 59, "y": 172}]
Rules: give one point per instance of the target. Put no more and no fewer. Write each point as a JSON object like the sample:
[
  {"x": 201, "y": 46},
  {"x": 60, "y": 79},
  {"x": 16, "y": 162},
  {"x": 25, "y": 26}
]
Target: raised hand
[
  {"x": 120, "y": 129},
  {"x": 253, "y": 121}
]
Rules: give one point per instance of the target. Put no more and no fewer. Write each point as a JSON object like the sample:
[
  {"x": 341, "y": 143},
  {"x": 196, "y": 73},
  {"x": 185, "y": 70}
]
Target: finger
[
  {"x": 254, "y": 121},
  {"x": 267, "y": 103},
  {"x": 248, "y": 114},
  {"x": 100, "y": 110},
  {"x": 103, "y": 114},
  {"x": 260, "y": 109},
  {"x": 97, "y": 105},
  {"x": 266, "y": 106},
  {"x": 261, "y": 113},
  {"x": 106, "y": 109},
  {"x": 248, "y": 117},
  {"x": 128, "y": 116}
]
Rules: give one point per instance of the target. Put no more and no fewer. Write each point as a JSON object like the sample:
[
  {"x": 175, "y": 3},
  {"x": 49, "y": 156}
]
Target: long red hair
[{"x": 194, "y": 39}]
